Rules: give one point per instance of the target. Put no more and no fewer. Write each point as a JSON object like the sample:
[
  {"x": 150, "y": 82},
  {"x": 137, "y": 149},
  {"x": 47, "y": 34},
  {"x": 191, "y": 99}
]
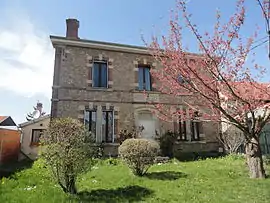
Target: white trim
[
  {"x": 81, "y": 107},
  {"x": 108, "y": 106},
  {"x": 100, "y": 57},
  {"x": 84, "y": 117},
  {"x": 154, "y": 64},
  {"x": 97, "y": 45},
  {"x": 91, "y": 105},
  {"x": 113, "y": 128},
  {"x": 89, "y": 58},
  {"x": 89, "y": 65},
  {"x": 80, "y": 116}
]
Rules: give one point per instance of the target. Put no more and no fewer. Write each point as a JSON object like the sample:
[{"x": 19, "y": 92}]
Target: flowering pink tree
[{"x": 218, "y": 77}]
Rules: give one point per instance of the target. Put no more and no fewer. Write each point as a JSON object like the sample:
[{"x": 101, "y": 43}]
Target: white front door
[{"x": 148, "y": 128}]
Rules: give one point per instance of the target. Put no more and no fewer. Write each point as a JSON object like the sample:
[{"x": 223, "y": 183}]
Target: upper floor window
[
  {"x": 144, "y": 78},
  {"x": 100, "y": 74}
]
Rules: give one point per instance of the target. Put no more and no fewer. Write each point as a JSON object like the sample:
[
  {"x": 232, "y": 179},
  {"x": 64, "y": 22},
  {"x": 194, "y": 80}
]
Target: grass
[{"x": 223, "y": 180}]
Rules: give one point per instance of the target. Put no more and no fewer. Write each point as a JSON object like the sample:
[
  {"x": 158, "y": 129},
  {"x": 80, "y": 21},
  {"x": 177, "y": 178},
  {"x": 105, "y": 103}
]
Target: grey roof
[{"x": 34, "y": 120}]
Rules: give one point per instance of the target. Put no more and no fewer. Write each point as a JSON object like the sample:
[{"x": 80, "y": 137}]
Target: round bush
[{"x": 139, "y": 154}]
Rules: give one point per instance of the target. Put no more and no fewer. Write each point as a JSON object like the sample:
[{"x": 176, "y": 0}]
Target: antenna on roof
[{"x": 37, "y": 113}]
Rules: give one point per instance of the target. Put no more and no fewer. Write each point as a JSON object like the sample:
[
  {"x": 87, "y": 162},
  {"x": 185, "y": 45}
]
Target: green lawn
[{"x": 213, "y": 180}]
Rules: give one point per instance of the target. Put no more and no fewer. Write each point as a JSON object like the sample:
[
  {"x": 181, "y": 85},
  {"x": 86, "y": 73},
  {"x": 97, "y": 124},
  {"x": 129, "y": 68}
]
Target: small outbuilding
[{"x": 9, "y": 140}]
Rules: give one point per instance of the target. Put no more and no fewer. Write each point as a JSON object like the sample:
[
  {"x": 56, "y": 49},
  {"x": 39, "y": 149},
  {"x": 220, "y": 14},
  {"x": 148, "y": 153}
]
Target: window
[
  {"x": 144, "y": 78},
  {"x": 195, "y": 127},
  {"x": 100, "y": 74},
  {"x": 90, "y": 118},
  {"x": 180, "y": 79},
  {"x": 182, "y": 129},
  {"x": 107, "y": 127},
  {"x": 195, "y": 130},
  {"x": 36, "y": 133}
]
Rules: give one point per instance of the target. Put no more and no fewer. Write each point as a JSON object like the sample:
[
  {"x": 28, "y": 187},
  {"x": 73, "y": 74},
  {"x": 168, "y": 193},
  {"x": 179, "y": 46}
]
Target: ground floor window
[
  {"x": 36, "y": 134},
  {"x": 195, "y": 130},
  {"x": 107, "y": 126},
  {"x": 100, "y": 124},
  {"x": 182, "y": 129},
  {"x": 90, "y": 118}
]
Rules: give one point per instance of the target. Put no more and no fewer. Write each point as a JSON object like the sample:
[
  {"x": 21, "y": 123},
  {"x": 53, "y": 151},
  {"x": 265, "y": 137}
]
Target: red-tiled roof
[
  {"x": 2, "y": 118},
  {"x": 6, "y": 121}
]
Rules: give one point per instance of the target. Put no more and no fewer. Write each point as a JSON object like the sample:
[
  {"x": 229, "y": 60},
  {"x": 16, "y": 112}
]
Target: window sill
[
  {"x": 111, "y": 144},
  {"x": 191, "y": 142},
  {"x": 33, "y": 144},
  {"x": 182, "y": 141},
  {"x": 148, "y": 91},
  {"x": 99, "y": 89}
]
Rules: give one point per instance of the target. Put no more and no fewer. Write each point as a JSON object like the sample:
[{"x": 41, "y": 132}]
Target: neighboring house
[
  {"x": 248, "y": 89},
  {"x": 31, "y": 132},
  {"x": 9, "y": 140},
  {"x": 102, "y": 84}
]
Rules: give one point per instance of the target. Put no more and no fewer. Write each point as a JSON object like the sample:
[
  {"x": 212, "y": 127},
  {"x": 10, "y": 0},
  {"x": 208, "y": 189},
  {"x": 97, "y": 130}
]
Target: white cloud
[{"x": 26, "y": 57}]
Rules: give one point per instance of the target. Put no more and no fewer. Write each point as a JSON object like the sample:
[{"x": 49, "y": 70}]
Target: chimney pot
[{"x": 72, "y": 28}]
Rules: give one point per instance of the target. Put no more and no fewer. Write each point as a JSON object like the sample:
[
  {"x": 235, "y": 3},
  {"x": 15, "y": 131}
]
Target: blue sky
[{"x": 26, "y": 55}]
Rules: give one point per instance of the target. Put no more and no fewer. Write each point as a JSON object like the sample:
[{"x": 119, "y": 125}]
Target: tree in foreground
[
  {"x": 67, "y": 151},
  {"x": 218, "y": 77}
]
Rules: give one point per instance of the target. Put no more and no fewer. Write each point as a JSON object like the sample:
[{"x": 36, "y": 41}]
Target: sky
[{"x": 27, "y": 56}]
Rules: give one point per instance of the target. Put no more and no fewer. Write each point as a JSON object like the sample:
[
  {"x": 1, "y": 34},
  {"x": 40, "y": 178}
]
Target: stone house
[{"x": 103, "y": 85}]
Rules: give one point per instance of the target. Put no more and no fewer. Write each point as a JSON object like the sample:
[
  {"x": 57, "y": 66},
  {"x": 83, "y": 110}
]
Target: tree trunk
[
  {"x": 254, "y": 159},
  {"x": 71, "y": 187}
]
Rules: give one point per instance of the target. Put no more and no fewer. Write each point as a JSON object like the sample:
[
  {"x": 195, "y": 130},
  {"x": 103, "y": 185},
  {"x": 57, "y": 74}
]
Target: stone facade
[{"x": 73, "y": 92}]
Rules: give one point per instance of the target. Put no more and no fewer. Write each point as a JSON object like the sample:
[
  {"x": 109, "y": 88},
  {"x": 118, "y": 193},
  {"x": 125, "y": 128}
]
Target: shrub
[
  {"x": 266, "y": 159},
  {"x": 67, "y": 151},
  {"x": 126, "y": 134},
  {"x": 139, "y": 154},
  {"x": 166, "y": 143},
  {"x": 236, "y": 156},
  {"x": 112, "y": 161}
]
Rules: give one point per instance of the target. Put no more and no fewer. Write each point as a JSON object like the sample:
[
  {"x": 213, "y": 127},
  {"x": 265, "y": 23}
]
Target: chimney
[{"x": 72, "y": 28}]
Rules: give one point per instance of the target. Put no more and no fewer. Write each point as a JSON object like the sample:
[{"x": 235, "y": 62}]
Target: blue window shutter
[
  {"x": 147, "y": 79},
  {"x": 96, "y": 75},
  {"x": 141, "y": 79},
  {"x": 104, "y": 78},
  {"x": 100, "y": 74}
]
